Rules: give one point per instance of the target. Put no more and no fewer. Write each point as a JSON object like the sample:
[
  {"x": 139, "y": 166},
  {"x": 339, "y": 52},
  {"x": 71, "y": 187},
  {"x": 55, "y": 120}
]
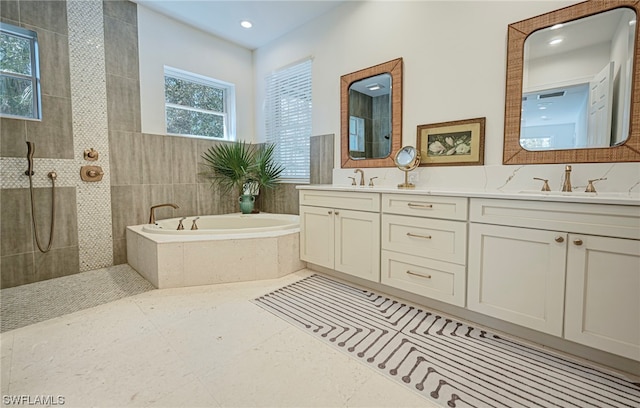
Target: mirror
[
  {"x": 407, "y": 159},
  {"x": 541, "y": 125},
  {"x": 573, "y": 77},
  {"x": 371, "y": 115}
]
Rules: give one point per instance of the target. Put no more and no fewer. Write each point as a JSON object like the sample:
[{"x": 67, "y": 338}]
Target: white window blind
[{"x": 288, "y": 119}]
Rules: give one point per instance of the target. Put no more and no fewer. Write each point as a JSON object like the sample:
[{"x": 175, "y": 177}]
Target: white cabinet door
[
  {"x": 357, "y": 245},
  {"x": 317, "y": 235},
  {"x": 603, "y": 294},
  {"x": 517, "y": 275}
]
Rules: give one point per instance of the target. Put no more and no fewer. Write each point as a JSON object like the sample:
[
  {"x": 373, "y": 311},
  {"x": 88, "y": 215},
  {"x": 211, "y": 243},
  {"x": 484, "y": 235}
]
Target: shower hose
[{"x": 52, "y": 175}]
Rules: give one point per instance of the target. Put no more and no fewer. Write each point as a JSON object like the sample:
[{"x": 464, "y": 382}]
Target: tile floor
[{"x": 206, "y": 346}]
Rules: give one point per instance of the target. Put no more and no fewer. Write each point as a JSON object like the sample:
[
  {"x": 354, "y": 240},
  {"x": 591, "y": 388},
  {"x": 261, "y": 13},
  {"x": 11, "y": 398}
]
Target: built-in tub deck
[{"x": 225, "y": 248}]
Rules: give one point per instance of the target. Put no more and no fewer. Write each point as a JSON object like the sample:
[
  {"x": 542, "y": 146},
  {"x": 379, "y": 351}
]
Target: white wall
[
  {"x": 454, "y": 59},
  {"x": 454, "y": 68},
  {"x": 164, "y": 41}
]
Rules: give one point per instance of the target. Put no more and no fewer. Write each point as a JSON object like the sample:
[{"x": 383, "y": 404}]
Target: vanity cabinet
[
  {"x": 341, "y": 231},
  {"x": 424, "y": 245},
  {"x": 521, "y": 253},
  {"x": 603, "y": 294}
]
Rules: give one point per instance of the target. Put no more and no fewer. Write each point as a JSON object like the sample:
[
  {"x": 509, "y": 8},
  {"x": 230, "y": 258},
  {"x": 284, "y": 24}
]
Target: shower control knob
[
  {"x": 91, "y": 154},
  {"x": 91, "y": 173}
]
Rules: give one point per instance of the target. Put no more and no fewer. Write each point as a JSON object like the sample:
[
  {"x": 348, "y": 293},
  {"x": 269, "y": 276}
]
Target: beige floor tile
[
  {"x": 205, "y": 346},
  {"x": 290, "y": 369}
]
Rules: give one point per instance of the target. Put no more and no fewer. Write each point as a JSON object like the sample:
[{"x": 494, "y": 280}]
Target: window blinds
[{"x": 288, "y": 119}]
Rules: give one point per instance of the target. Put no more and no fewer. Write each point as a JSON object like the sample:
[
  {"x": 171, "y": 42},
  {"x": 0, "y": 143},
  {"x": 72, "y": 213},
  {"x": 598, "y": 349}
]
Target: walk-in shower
[{"x": 31, "y": 148}]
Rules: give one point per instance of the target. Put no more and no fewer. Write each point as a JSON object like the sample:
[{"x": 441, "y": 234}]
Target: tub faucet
[
  {"x": 152, "y": 214},
  {"x": 180, "y": 226},
  {"x": 566, "y": 184},
  {"x": 194, "y": 226},
  {"x": 361, "y": 176}
]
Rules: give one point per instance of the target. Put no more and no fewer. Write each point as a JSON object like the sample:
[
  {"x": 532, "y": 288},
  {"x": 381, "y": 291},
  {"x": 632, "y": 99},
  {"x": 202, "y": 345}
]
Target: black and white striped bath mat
[{"x": 446, "y": 361}]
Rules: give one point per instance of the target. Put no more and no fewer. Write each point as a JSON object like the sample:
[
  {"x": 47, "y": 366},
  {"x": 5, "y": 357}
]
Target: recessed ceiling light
[
  {"x": 555, "y": 41},
  {"x": 542, "y": 107},
  {"x": 555, "y": 27},
  {"x": 246, "y": 24},
  {"x": 374, "y": 87}
]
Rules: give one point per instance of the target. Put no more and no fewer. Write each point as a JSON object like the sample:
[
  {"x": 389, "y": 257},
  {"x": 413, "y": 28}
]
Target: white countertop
[{"x": 619, "y": 198}]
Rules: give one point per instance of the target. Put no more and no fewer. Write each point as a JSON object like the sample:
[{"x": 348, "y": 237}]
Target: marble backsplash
[{"x": 620, "y": 177}]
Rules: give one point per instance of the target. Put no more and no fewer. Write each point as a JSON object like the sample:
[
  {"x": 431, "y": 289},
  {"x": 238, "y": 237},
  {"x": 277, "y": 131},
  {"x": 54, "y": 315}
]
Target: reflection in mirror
[
  {"x": 533, "y": 81},
  {"x": 576, "y": 88},
  {"x": 407, "y": 159},
  {"x": 370, "y": 118},
  {"x": 371, "y": 115}
]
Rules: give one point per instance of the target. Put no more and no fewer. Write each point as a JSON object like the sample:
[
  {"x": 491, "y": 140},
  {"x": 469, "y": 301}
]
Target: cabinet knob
[
  {"x": 337, "y": 212},
  {"x": 577, "y": 241},
  {"x": 559, "y": 239},
  {"x": 329, "y": 212}
]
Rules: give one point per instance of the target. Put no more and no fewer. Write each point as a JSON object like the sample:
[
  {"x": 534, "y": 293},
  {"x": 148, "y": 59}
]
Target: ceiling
[{"x": 271, "y": 19}]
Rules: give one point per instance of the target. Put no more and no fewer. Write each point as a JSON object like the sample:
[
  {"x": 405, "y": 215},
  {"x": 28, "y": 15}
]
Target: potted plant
[{"x": 240, "y": 167}]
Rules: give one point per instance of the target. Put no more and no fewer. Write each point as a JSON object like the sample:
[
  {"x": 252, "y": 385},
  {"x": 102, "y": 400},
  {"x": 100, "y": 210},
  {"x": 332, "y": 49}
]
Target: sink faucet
[
  {"x": 152, "y": 215},
  {"x": 361, "y": 176},
  {"x": 566, "y": 184}
]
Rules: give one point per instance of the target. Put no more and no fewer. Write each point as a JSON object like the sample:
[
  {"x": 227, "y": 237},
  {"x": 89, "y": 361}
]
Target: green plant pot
[{"x": 246, "y": 203}]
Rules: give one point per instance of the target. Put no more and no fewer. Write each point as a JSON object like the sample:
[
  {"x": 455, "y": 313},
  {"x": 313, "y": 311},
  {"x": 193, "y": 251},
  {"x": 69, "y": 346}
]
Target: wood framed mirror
[
  {"x": 518, "y": 33},
  {"x": 371, "y": 115}
]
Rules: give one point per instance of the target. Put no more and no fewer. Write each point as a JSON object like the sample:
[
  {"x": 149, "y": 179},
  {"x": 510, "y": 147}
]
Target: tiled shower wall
[
  {"x": 141, "y": 169},
  {"x": 20, "y": 261}
]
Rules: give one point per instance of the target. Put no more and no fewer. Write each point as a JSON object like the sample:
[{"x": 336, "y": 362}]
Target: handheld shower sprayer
[{"x": 31, "y": 149}]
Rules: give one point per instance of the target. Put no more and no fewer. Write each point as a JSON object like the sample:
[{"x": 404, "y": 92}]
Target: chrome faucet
[
  {"x": 361, "y": 176},
  {"x": 152, "y": 215},
  {"x": 566, "y": 184}
]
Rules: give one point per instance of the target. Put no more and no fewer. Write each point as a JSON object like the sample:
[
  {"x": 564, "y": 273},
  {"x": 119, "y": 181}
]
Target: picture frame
[{"x": 456, "y": 143}]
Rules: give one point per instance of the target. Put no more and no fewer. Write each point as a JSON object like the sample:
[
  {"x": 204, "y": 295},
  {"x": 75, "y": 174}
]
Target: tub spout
[{"x": 152, "y": 215}]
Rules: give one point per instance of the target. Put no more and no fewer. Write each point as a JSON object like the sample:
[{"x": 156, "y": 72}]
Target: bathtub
[
  {"x": 224, "y": 248},
  {"x": 228, "y": 224}
]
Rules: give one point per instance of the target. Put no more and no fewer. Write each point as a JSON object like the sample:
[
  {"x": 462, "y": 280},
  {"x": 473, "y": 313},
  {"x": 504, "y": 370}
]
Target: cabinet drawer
[
  {"x": 621, "y": 221},
  {"x": 426, "y": 277},
  {"x": 425, "y": 237},
  {"x": 453, "y": 208},
  {"x": 338, "y": 199}
]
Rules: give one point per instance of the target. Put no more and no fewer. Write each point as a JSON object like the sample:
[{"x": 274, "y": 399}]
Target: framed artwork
[{"x": 457, "y": 143}]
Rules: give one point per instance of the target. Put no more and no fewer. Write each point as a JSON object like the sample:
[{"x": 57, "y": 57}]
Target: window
[
  {"x": 19, "y": 73},
  {"x": 198, "y": 106},
  {"x": 288, "y": 119}
]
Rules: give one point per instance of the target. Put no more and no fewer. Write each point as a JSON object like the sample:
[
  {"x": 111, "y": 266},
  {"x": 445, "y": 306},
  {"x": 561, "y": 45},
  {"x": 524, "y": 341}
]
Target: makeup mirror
[{"x": 407, "y": 159}]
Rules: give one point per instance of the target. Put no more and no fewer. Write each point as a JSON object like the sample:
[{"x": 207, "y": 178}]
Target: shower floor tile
[{"x": 36, "y": 302}]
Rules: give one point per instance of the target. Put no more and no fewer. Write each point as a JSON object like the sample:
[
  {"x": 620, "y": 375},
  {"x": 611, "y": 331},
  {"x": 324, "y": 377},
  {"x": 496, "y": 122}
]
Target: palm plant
[{"x": 237, "y": 166}]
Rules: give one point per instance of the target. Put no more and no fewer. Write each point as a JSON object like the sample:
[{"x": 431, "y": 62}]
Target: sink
[{"x": 581, "y": 194}]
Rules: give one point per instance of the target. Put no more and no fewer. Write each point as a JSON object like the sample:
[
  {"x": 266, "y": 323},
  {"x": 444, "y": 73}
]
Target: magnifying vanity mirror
[
  {"x": 407, "y": 159},
  {"x": 371, "y": 115},
  {"x": 572, "y": 86}
]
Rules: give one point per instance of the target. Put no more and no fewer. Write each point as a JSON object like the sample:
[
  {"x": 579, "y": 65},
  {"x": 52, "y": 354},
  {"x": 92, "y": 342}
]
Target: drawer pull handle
[
  {"x": 578, "y": 242},
  {"x": 559, "y": 239},
  {"x": 414, "y": 205},
  {"x": 409, "y": 234},
  {"x": 426, "y": 276}
]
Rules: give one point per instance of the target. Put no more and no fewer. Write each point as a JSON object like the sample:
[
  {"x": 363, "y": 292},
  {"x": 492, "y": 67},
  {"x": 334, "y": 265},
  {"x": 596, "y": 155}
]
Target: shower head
[{"x": 31, "y": 148}]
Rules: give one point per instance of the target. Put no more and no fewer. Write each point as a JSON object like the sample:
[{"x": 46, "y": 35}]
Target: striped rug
[{"x": 446, "y": 361}]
